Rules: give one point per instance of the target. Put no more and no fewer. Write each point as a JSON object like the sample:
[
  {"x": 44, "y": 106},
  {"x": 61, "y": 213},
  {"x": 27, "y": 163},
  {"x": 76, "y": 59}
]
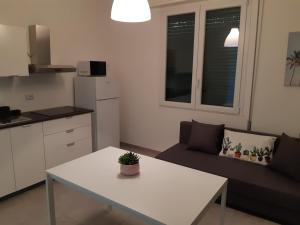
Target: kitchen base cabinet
[
  {"x": 67, "y": 139},
  {"x": 7, "y": 178},
  {"x": 27, "y": 151},
  {"x": 59, "y": 154},
  {"x": 28, "y": 154}
]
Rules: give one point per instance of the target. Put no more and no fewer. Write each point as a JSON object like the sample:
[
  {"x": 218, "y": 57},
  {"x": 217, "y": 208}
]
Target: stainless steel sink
[{"x": 20, "y": 119}]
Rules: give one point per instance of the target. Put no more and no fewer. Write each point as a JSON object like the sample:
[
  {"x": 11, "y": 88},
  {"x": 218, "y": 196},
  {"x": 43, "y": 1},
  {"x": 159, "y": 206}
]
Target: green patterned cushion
[{"x": 249, "y": 147}]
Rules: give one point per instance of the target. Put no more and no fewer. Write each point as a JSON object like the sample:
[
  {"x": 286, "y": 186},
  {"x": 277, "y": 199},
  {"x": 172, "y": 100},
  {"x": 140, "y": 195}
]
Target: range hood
[{"x": 39, "y": 42}]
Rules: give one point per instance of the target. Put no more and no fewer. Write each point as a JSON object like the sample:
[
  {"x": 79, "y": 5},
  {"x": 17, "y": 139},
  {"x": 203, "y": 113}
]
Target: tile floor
[{"x": 72, "y": 208}]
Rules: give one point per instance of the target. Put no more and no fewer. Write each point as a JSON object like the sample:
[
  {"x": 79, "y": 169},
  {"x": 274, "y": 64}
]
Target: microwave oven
[{"x": 91, "y": 68}]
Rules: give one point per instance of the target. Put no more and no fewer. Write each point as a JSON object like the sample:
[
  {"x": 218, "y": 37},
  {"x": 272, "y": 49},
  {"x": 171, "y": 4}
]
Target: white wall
[
  {"x": 78, "y": 31},
  {"x": 136, "y": 61},
  {"x": 81, "y": 29},
  {"x": 276, "y": 107}
]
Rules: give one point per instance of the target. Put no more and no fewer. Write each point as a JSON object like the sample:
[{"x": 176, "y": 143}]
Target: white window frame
[
  {"x": 200, "y": 9},
  {"x": 172, "y": 11},
  {"x": 214, "y": 5}
]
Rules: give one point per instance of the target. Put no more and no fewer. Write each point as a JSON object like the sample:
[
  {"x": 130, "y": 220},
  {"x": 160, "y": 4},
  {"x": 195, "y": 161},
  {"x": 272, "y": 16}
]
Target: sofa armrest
[{"x": 185, "y": 131}]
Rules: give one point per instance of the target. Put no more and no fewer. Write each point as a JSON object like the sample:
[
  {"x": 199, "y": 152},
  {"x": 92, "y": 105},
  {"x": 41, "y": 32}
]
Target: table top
[{"x": 163, "y": 192}]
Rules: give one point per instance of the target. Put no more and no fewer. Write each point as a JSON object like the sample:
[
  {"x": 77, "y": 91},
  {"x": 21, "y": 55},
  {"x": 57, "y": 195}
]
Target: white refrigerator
[{"x": 101, "y": 95}]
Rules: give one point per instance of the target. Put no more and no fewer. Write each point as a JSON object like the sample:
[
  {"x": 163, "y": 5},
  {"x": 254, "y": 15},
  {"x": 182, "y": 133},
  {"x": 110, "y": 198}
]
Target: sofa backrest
[{"x": 186, "y": 128}]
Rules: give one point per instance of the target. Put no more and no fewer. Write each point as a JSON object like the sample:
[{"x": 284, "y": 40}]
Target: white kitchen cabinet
[
  {"x": 13, "y": 51},
  {"x": 28, "y": 154},
  {"x": 7, "y": 179},
  {"x": 59, "y": 154},
  {"x": 67, "y": 139},
  {"x": 59, "y": 125}
]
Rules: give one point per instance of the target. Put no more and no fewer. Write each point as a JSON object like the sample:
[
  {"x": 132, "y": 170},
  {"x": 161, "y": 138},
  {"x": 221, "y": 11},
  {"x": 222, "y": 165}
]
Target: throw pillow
[
  {"x": 287, "y": 158},
  {"x": 206, "y": 137},
  {"x": 248, "y": 147}
]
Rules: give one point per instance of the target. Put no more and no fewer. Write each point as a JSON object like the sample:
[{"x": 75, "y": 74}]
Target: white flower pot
[{"x": 130, "y": 170}]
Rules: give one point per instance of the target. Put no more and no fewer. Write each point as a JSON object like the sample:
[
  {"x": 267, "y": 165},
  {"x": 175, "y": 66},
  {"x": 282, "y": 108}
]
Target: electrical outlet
[{"x": 29, "y": 97}]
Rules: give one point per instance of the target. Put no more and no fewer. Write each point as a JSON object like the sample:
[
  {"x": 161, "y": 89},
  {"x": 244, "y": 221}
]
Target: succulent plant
[
  {"x": 246, "y": 152},
  {"x": 238, "y": 149},
  {"x": 253, "y": 152},
  {"x": 226, "y": 144},
  {"x": 260, "y": 154},
  {"x": 129, "y": 158},
  {"x": 267, "y": 153}
]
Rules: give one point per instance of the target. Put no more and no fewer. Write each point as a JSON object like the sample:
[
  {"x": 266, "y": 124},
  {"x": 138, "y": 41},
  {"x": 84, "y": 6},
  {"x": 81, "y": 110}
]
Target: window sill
[
  {"x": 205, "y": 108},
  {"x": 219, "y": 109},
  {"x": 180, "y": 105}
]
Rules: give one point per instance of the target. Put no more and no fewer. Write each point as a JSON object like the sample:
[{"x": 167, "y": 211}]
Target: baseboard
[
  {"x": 124, "y": 144},
  {"x": 21, "y": 191}
]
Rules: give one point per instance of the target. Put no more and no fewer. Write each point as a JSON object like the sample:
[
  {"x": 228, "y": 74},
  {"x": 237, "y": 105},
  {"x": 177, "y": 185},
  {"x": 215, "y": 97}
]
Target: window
[
  {"x": 200, "y": 70},
  {"x": 219, "y": 67},
  {"x": 180, "y": 48},
  {"x": 181, "y": 31}
]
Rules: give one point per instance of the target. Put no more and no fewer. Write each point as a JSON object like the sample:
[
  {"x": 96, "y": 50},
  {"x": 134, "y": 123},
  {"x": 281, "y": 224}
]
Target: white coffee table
[{"x": 163, "y": 193}]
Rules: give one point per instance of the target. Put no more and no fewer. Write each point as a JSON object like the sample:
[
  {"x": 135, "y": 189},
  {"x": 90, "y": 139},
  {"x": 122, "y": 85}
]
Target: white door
[
  {"x": 7, "y": 179},
  {"x": 108, "y": 123},
  {"x": 13, "y": 51},
  {"x": 28, "y": 154}
]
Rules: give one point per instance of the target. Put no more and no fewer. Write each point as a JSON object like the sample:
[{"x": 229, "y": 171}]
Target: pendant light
[
  {"x": 130, "y": 11},
  {"x": 232, "y": 39}
]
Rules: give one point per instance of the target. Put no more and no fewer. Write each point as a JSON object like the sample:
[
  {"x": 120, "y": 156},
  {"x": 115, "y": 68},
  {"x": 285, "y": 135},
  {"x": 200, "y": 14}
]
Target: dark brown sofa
[{"x": 252, "y": 188}]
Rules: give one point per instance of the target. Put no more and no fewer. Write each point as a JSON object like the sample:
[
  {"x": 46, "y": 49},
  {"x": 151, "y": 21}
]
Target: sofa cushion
[
  {"x": 186, "y": 128},
  {"x": 249, "y": 147},
  {"x": 206, "y": 138},
  {"x": 287, "y": 159},
  {"x": 247, "y": 179}
]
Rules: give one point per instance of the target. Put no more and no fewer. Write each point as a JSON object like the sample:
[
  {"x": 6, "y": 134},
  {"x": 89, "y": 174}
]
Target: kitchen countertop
[{"x": 53, "y": 113}]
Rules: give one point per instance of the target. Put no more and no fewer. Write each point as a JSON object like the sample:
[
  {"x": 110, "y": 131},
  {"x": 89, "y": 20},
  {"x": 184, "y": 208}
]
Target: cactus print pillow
[{"x": 249, "y": 147}]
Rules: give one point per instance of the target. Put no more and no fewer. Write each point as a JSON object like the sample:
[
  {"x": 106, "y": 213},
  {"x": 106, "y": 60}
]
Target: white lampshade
[
  {"x": 130, "y": 11},
  {"x": 232, "y": 39}
]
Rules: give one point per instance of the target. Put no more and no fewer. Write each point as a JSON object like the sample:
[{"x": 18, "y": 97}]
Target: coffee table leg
[
  {"x": 223, "y": 204},
  {"x": 50, "y": 201}
]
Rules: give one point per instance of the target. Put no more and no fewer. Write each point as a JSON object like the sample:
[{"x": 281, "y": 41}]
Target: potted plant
[
  {"x": 246, "y": 154},
  {"x": 267, "y": 154},
  {"x": 253, "y": 154},
  {"x": 226, "y": 145},
  {"x": 260, "y": 154},
  {"x": 129, "y": 164},
  {"x": 238, "y": 149}
]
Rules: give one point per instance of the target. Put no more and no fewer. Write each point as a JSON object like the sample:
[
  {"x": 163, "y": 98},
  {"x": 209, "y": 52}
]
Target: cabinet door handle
[
  {"x": 28, "y": 125},
  {"x": 70, "y": 131},
  {"x": 71, "y": 144}
]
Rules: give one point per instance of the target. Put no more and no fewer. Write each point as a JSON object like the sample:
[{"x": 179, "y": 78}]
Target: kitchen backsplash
[{"x": 37, "y": 91}]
